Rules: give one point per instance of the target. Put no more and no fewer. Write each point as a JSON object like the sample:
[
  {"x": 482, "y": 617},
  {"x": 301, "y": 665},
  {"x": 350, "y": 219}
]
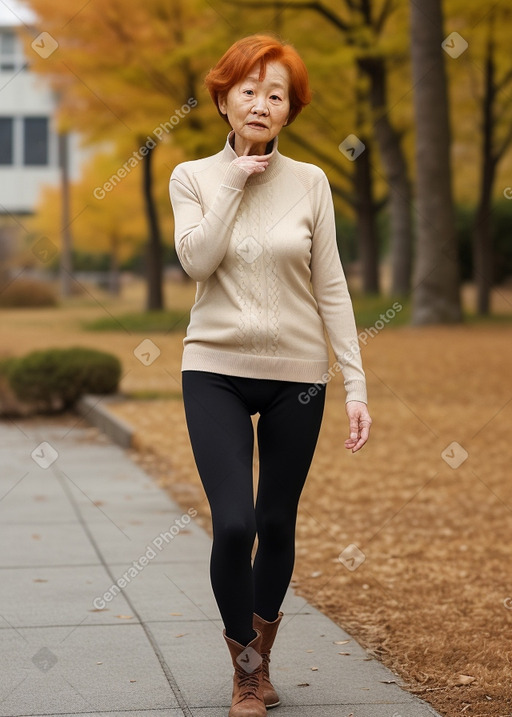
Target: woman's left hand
[{"x": 359, "y": 425}]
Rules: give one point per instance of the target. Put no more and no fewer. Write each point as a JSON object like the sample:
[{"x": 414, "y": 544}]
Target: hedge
[{"x": 54, "y": 379}]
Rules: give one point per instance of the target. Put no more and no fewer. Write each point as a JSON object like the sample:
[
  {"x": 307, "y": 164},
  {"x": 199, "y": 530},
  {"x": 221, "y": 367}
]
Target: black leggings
[{"x": 218, "y": 411}]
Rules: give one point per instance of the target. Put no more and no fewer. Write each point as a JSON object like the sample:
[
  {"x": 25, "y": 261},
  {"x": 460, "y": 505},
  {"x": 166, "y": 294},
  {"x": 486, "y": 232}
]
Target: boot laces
[{"x": 248, "y": 682}]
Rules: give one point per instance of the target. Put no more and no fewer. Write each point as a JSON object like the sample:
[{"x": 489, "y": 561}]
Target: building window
[
  {"x": 6, "y": 140},
  {"x": 11, "y": 52},
  {"x": 7, "y": 50},
  {"x": 35, "y": 141}
]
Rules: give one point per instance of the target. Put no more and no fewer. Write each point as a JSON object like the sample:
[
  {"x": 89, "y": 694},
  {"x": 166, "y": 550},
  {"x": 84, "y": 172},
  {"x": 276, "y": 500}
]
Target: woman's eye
[
  {"x": 275, "y": 97},
  {"x": 249, "y": 91}
]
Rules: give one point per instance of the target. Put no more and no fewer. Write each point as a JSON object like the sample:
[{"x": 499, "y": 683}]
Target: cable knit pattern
[
  {"x": 271, "y": 274},
  {"x": 270, "y": 283},
  {"x": 249, "y": 266}
]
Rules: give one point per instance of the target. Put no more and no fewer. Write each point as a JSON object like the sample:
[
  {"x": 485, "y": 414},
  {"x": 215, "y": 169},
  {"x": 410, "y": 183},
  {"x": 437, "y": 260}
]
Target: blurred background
[{"x": 411, "y": 119}]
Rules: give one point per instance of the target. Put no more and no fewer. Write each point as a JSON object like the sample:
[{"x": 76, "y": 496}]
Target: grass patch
[
  {"x": 151, "y": 395},
  {"x": 368, "y": 310},
  {"x": 154, "y": 321}
]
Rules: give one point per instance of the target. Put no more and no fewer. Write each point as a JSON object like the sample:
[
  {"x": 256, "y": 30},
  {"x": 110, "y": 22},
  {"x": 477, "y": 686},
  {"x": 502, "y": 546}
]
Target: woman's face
[{"x": 258, "y": 110}]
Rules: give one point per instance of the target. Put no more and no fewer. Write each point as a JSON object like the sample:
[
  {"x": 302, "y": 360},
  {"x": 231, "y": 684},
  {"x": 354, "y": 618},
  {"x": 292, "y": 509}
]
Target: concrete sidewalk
[{"x": 75, "y": 515}]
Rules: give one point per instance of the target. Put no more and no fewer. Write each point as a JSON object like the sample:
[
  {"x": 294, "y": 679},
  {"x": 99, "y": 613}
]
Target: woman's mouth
[{"x": 257, "y": 125}]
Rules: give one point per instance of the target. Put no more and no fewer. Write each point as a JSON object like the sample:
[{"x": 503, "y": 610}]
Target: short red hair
[{"x": 236, "y": 63}]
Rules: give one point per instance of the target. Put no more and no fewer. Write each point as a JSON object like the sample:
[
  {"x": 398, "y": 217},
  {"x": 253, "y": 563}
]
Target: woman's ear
[{"x": 222, "y": 104}]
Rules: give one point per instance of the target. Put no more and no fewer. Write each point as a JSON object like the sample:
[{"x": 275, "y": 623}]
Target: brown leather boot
[
  {"x": 268, "y": 634},
  {"x": 247, "y": 698}
]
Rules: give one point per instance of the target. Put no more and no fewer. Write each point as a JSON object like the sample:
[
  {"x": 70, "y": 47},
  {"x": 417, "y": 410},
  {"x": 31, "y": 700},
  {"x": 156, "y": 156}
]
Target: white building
[{"x": 29, "y": 156}]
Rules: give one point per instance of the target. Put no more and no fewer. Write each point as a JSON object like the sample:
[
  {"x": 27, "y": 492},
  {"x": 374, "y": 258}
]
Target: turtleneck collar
[{"x": 274, "y": 165}]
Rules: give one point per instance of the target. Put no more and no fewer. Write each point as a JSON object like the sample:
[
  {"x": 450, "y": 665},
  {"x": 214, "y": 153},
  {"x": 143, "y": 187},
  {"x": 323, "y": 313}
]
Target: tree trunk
[
  {"x": 114, "y": 283},
  {"x": 436, "y": 296},
  {"x": 483, "y": 253},
  {"x": 364, "y": 205},
  {"x": 66, "y": 259},
  {"x": 7, "y": 244},
  {"x": 154, "y": 262},
  {"x": 395, "y": 166},
  {"x": 366, "y": 229}
]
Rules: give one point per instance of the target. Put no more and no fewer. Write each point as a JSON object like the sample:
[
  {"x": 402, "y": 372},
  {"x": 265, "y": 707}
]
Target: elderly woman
[{"x": 256, "y": 230}]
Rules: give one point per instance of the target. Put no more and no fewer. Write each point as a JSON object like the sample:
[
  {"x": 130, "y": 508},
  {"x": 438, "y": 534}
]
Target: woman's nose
[{"x": 260, "y": 107}]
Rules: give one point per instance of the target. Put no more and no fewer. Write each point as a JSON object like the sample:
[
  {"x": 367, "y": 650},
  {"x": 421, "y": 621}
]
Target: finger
[
  {"x": 350, "y": 442},
  {"x": 262, "y": 157},
  {"x": 365, "y": 432},
  {"x": 354, "y": 427}
]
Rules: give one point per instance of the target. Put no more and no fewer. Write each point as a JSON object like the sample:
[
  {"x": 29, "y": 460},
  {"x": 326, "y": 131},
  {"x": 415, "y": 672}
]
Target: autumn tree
[
  {"x": 123, "y": 70},
  {"x": 484, "y": 73},
  {"x": 373, "y": 56},
  {"x": 104, "y": 222},
  {"x": 436, "y": 296}
]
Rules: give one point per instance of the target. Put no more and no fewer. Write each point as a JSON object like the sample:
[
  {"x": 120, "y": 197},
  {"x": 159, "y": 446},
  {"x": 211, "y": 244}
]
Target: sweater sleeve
[
  {"x": 331, "y": 293},
  {"x": 202, "y": 235}
]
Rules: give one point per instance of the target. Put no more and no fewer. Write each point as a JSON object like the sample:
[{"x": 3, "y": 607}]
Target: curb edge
[{"x": 92, "y": 408}]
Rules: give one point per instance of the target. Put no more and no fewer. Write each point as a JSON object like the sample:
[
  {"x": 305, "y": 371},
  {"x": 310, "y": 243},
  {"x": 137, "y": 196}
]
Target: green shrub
[
  {"x": 6, "y": 363},
  {"x": 10, "y": 405},
  {"x": 27, "y": 293},
  {"x": 54, "y": 379}
]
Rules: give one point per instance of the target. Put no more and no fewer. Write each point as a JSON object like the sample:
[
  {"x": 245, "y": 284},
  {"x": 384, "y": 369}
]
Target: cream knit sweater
[{"x": 263, "y": 251}]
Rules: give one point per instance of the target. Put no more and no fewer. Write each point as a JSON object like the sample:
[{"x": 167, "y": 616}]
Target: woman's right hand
[{"x": 252, "y": 163}]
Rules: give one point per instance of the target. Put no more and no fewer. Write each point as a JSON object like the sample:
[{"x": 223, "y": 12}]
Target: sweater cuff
[
  {"x": 235, "y": 177},
  {"x": 356, "y": 391}
]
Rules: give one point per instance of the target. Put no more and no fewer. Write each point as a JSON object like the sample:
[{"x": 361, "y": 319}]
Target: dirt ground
[
  {"x": 432, "y": 598},
  {"x": 430, "y": 592}
]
